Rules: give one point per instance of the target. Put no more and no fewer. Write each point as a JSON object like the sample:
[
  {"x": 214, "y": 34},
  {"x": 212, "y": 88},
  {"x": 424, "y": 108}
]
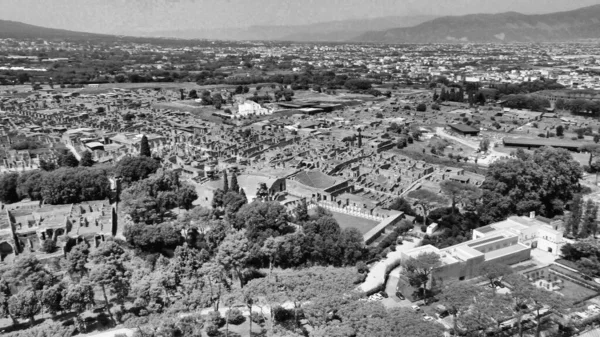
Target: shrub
[
  {"x": 361, "y": 267},
  {"x": 435, "y": 107},
  {"x": 235, "y": 316},
  {"x": 422, "y": 107},
  {"x": 423, "y": 228},
  {"x": 215, "y": 318},
  {"x": 103, "y": 320},
  {"x": 360, "y": 278},
  {"x": 118, "y": 315},
  {"x": 257, "y": 318},
  {"x": 281, "y": 314},
  {"x": 212, "y": 330}
]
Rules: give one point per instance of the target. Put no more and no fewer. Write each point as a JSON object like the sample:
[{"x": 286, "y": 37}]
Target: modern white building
[
  {"x": 252, "y": 108},
  {"x": 506, "y": 242}
]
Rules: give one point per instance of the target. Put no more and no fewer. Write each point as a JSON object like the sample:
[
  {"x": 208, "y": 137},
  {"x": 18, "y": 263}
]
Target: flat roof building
[
  {"x": 506, "y": 242},
  {"x": 541, "y": 142},
  {"x": 463, "y": 129}
]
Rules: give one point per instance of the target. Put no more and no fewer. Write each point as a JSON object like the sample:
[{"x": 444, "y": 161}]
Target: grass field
[{"x": 348, "y": 221}]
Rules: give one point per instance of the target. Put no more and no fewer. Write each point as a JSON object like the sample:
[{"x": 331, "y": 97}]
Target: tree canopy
[{"x": 542, "y": 183}]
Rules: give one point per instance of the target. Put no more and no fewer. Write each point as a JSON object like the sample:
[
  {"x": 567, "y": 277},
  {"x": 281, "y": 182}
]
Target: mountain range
[
  {"x": 333, "y": 31},
  {"x": 19, "y": 30},
  {"x": 583, "y": 23}
]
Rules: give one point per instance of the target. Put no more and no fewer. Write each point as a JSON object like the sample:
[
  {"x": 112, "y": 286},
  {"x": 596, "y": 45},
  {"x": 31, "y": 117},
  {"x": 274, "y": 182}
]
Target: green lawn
[{"x": 348, "y": 221}]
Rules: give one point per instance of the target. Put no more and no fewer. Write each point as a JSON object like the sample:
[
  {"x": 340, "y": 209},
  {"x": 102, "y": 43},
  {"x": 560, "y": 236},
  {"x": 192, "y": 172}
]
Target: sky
[{"x": 132, "y": 16}]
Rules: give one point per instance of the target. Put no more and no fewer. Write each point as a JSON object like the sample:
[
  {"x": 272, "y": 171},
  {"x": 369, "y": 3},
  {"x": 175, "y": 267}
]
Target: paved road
[{"x": 112, "y": 333}]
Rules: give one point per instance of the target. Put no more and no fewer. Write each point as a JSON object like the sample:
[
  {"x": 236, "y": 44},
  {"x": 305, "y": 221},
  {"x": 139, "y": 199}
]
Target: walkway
[
  {"x": 112, "y": 333},
  {"x": 376, "y": 274}
]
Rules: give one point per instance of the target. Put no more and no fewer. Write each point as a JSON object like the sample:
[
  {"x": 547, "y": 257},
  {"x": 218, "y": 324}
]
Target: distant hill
[
  {"x": 583, "y": 23},
  {"x": 334, "y": 31},
  {"x": 19, "y": 30}
]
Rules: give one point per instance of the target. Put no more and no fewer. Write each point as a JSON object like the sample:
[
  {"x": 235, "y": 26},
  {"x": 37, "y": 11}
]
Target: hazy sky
[{"x": 130, "y": 16}]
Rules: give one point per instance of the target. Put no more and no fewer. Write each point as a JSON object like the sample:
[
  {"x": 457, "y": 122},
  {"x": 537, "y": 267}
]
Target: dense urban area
[{"x": 154, "y": 187}]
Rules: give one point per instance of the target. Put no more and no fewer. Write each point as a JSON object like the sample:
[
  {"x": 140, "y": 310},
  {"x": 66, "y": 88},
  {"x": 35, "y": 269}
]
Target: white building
[
  {"x": 252, "y": 108},
  {"x": 530, "y": 231}
]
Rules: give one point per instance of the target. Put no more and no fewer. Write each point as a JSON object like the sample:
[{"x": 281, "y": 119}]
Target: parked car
[
  {"x": 428, "y": 318},
  {"x": 399, "y": 295},
  {"x": 416, "y": 307},
  {"x": 498, "y": 284},
  {"x": 383, "y": 294}
]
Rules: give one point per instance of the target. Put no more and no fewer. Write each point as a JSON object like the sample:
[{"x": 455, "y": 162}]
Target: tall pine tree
[
  {"x": 234, "y": 183},
  {"x": 145, "y": 147},
  {"x": 302, "y": 211},
  {"x": 575, "y": 217},
  {"x": 589, "y": 221},
  {"x": 225, "y": 182}
]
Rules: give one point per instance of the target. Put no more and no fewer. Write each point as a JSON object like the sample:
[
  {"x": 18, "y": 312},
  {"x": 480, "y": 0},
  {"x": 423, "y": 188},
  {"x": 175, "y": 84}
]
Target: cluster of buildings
[{"x": 506, "y": 242}]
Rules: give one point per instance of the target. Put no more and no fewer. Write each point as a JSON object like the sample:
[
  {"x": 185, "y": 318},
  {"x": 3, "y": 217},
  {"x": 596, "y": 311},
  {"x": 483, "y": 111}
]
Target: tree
[
  {"x": 494, "y": 272},
  {"x": 421, "y": 107},
  {"x": 302, "y": 211},
  {"x": 261, "y": 220},
  {"x": 427, "y": 200},
  {"x": 8, "y": 188},
  {"x": 589, "y": 219},
  {"x": 457, "y": 297},
  {"x": 454, "y": 190},
  {"x": 225, "y": 182},
  {"x": 560, "y": 131},
  {"x": 233, "y": 253},
  {"x": 484, "y": 145},
  {"x": 419, "y": 268},
  {"x": 77, "y": 259},
  {"x": 5, "y": 295},
  {"x": 536, "y": 299},
  {"x": 132, "y": 169},
  {"x": 52, "y": 297},
  {"x": 232, "y": 202},
  {"x": 153, "y": 237},
  {"x": 109, "y": 272},
  {"x": 271, "y": 248},
  {"x": 68, "y": 159},
  {"x": 186, "y": 195},
  {"x": 235, "y": 187},
  {"x": 217, "y": 200},
  {"x": 543, "y": 183},
  {"x": 86, "y": 159},
  {"x": 78, "y": 297},
  {"x": 25, "y": 305},
  {"x": 27, "y": 272},
  {"x": 575, "y": 217},
  {"x": 145, "y": 147},
  {"x": 402, "y": 205}
]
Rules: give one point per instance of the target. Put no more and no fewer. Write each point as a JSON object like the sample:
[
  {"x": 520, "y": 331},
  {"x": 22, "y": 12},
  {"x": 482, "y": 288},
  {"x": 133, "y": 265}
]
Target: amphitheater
[{"x": 315, "y": 179}]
